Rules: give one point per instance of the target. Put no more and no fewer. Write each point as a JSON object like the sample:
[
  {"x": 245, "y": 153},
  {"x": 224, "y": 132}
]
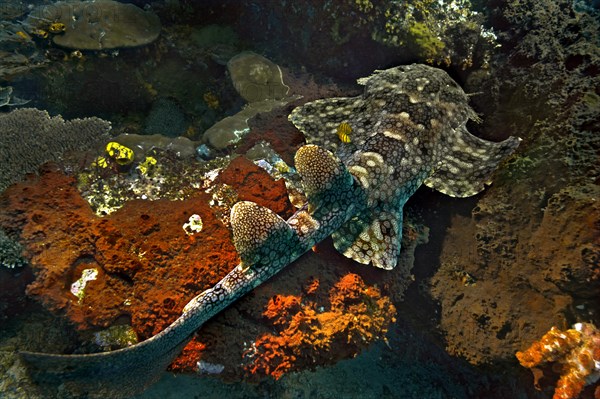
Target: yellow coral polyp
[
  {"x": 121, "y": 154},
  {"x": 100, "y": 162},
  {"x": 147, "y": 165}
]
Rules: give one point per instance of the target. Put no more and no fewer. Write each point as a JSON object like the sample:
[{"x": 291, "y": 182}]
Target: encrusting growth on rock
[
  {"x": 310, "y": 335},
  {"x": 577, "y": 350}
]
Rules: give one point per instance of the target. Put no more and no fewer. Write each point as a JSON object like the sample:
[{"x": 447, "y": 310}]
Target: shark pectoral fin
[
  {"x": 325, "y": 179},
  {"x": 468, "y": 163},
  {"x": 258, "y": 233},
  {"x": 371, "y": 237},
  {"x": 320, "y": 119}
]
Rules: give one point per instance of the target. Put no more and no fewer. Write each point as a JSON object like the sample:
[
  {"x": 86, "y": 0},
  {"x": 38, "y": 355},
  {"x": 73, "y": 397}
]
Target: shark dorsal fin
[
  {"x": 324, "y": 177},
  {"x": 256, "y": 231}
]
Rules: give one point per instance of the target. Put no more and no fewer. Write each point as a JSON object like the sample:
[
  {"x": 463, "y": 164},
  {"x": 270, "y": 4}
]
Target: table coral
[
  {"x": 97, "y": 25},
  {"x": 577, "y": 350},
  {"x": 309, "y": 333}
]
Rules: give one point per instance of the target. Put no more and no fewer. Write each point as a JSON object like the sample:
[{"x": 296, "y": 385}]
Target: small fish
[
  {"x": 57, "y": 27},
  {"x": 76, "y": 54},
  {"x": 343, "y": 132},
  {"x": 40, "y": 33},
  {"x": 23, "y": 35}
]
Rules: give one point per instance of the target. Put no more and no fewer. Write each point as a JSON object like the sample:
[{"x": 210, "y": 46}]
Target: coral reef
[
  {"x": 31, "y": 137},
  {"x": 311, "y": 334},
  {"x": 555, "y": 252},
  {"x": 277, "y": 254},
  {"x": 577, "y": 350},
  {"x": 151, "y": 173},
  {"x": 96, "y": 25},
  {"x": 147, "y": 266},
  {"x": 446, "y": 32},
  {"x": 449, "y": 32},
  {"x": 531, "y": 242},
  {"x": 18, "y": 50},
  {"x": 523, "y": 259}
]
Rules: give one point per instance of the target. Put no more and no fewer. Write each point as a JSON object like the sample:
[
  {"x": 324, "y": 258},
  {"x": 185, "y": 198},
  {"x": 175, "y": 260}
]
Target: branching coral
[
  {"x": 31, "y": 137},
  {"x": 577, "y": 350},
  {"x": 310, "y": 335}
]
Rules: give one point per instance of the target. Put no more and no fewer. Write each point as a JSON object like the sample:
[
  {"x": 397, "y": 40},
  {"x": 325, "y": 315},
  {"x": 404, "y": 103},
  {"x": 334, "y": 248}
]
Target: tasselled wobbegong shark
[{"x": 408, "y": 128}]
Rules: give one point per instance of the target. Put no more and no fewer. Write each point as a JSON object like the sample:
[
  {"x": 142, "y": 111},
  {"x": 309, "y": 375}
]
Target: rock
[
  {"x": 260, "y": 82},
  {"x": 256, "y": 78}
]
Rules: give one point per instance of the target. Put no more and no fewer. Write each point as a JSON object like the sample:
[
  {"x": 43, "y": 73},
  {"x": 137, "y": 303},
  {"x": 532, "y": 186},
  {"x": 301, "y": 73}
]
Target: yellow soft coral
[{"x": 121, "y": 154}]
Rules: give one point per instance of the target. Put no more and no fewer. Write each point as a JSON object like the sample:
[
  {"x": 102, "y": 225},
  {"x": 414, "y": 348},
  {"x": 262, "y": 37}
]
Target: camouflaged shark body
[
  {"x": 266, "y": 244},
  {"x": 408, "y": 128},
  {"x": 404, "y": 133}
]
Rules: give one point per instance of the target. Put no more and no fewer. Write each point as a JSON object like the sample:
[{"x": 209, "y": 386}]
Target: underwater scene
[{"x": 300, "y": 199}]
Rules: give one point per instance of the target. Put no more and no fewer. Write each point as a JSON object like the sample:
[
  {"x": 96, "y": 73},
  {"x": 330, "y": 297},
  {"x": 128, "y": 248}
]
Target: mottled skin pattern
[
  {"x": 407, "y": 129},
  {"x": 266, "y": 244}
]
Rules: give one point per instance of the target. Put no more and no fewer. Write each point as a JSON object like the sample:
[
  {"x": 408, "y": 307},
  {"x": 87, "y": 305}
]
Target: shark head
[{"x": 406, "y": 129}]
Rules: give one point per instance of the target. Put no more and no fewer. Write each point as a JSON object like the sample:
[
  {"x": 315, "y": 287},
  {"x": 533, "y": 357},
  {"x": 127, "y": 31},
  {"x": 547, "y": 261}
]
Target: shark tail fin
[
  {"x": 371, "y": 237},
  {"x": 257, "y": 231},
  {"x": 117, "y": 374},
  {"x": 468, "y": 163}
]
